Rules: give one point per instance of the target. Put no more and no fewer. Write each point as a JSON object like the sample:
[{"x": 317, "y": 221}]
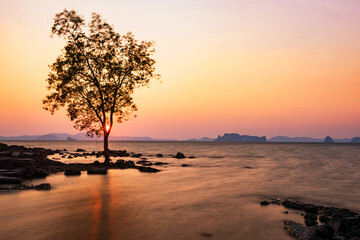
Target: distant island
[
  {"x": 234, "y": 137},
  {"x": 227, "y": 137}
]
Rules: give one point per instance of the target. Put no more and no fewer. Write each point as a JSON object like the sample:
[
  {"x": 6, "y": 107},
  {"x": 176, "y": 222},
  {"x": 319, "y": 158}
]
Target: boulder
[
  {"x": 126, "y": 164},
  {"x": 80, "y": 150},
  {"x": 348, "y": 227},
  {"x": 160, "y": 163},
  {"x": 96, "y": 163},
  {"x": 264, "y": 203},
  {"x": 43, "y": 186},
  {"x": 293, "y": 204},
  {"x": 179, "y": 155},
  {"x": 148, "y": 169},
  {"x": 72, "y": 172},
  {"x": 101, "y": 171},
  {"x": 309, "y": 208},
  {"x": 310, "y": 219}
]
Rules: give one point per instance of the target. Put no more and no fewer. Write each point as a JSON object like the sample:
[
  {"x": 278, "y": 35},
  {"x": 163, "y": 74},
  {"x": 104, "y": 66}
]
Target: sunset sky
[{"x": 269, "y": 68}]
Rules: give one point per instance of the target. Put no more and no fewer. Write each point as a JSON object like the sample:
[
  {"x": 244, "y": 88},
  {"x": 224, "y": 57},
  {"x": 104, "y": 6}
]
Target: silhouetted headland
[{"x": 234, "y": 137}]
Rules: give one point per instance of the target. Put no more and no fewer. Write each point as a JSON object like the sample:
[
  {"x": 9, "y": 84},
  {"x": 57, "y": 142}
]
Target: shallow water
[{"x": 216, "y": 195}]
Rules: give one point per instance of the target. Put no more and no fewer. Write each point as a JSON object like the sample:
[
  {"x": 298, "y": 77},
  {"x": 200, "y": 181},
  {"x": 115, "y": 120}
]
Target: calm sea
[{"x": 216, "y": 197}]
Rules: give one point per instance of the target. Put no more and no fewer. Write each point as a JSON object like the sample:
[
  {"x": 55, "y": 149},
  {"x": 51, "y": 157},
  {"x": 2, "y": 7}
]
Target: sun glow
[{"x": 107, "y": 127}]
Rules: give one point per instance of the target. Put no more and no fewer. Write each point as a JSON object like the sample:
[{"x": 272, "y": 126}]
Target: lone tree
[{"x": 96, "y": 74}]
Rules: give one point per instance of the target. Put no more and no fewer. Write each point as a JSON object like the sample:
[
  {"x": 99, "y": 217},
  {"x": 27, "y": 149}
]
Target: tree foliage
[{"x": 96, "y": 73}]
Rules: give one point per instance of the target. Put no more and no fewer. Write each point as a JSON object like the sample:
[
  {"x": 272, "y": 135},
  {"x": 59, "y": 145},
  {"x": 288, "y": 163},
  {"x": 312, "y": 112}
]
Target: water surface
[{"x": 217, "y": 194}]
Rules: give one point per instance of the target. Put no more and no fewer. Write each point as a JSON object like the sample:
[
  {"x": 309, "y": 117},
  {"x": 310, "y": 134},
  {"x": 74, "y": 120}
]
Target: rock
[
  {"x": 136, "y": 155},
  {"x": 264, "y": 203},
  {"x": 323, "y": 232},
  {"x": 126, "y": 164},
  {"x": 102, "y": 171},
  {"x": 160, "y": 163},
  {"x": 39, "y": 173},
  {"x": 179, "y": 155},
  {"x": 295, "y": 230},
  {"x": 207, "y": 235},
  {"x": 43, "y": 186},
  {"x": 184, "y": 165},
  {"x": 10, "y": 180},
  {"x": 311, "y": 209},
  {"x": 293, "y": 204},
  {"x": 80, "y": 150},
  {"x": 159, "y": 155},
  {"x": 96, "y": 163},
  {"x": 324, "y": 219},
  {"x": 348, "y": 227},
  {"x": 310, "y": 219},
  {"x": 120, "y": 161},
  {"x": 148, "y": 169},
  {"x": 191, "y": 157},
  {"x": 286, "y": 212},
  {"x": 144, "y": 163},
  {"x": 72, "y": 172}
]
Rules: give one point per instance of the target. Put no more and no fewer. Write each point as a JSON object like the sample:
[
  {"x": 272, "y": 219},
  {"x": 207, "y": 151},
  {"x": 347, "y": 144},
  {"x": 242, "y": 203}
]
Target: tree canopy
[{"x": 96, "y": 73}]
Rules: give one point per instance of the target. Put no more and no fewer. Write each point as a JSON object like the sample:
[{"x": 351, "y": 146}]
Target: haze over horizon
[{"x": 279, "y": 68}]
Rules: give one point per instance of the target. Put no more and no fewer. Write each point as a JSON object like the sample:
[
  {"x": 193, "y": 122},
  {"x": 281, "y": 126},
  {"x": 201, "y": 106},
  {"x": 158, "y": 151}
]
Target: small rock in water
[
  {"x": 136, "y": 155},
  {"x": 72, "y": 172},
  {"x": 179, "y": 155},
  {"x": 184, "y": 165},
  {"x": 102, "y": 171},
  {"x": 43, "y": 186},
  {"x": 159, "y": 155},
  {"x": 148, "y": 169},
  {"x": 264, "y": 203},
  {"x": 192, "y": 157},
  {"x": 80, "y": 150},
  {"x": 160, "y": 163},
  {"x": 96, "y": 163},
  {"x": 206, "y": 234}
]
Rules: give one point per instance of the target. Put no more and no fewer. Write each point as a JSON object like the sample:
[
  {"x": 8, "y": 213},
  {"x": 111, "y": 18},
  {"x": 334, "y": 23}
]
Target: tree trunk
[{"x": 106, "y": 149}]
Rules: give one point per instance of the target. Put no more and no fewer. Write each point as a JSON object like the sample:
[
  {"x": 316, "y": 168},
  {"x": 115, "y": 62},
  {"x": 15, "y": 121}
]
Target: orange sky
[{"x": 271, "y": 67}]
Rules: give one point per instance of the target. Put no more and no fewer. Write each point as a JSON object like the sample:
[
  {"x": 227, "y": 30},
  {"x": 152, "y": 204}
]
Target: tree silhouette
[{"x": 96, "y": 74}]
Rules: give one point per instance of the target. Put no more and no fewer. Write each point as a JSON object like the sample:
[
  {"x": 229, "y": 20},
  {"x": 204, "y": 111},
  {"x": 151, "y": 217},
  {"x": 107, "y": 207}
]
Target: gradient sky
[{"x": 271, "y": 67}]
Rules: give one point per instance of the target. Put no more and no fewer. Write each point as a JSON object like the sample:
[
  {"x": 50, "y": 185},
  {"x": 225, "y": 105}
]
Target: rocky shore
[
  {"x": 18, "y": 163},
  {"x": 320, "y": 222}
]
